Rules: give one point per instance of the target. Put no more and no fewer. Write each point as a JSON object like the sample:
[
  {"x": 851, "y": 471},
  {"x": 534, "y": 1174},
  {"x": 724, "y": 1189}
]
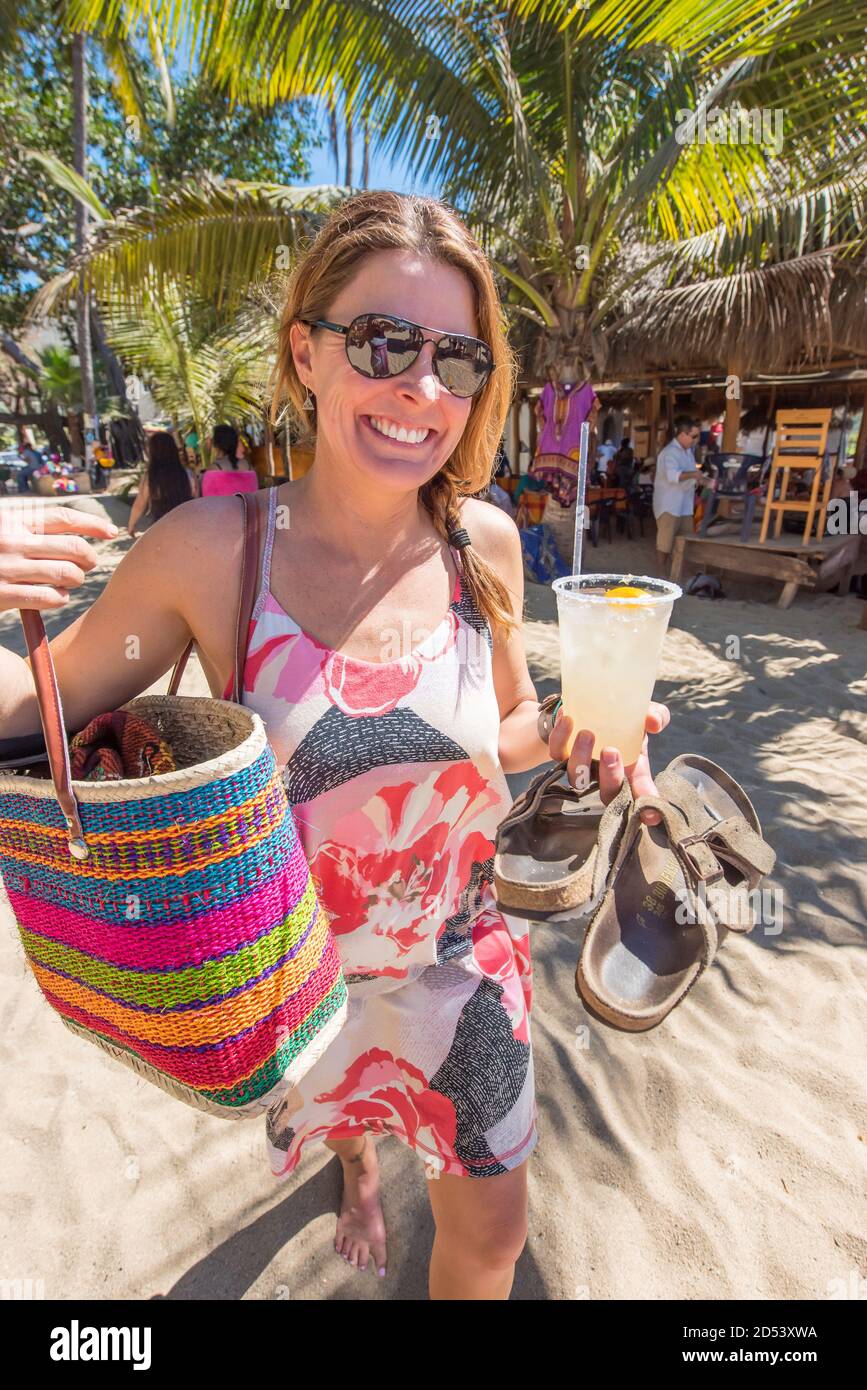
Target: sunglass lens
[
  {"x": 463, "y": 367},
  {"x": 381, "y": 347}
]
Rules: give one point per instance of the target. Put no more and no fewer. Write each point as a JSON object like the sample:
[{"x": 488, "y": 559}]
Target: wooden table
[{"x": 819, "y": 565}]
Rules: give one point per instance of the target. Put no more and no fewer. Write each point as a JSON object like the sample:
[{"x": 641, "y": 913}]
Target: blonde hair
[{"x": 379, "y": 220}]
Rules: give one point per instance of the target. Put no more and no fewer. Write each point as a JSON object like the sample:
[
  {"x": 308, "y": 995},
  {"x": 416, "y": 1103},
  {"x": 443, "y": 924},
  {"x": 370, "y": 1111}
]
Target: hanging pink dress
[
  {"x": 393, "y": 774},
  {"x": 558, "y": 444}
]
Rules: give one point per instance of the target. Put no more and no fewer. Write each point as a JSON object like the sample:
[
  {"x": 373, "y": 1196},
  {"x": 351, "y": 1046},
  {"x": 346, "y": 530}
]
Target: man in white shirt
[
  {"x": 604, "y": 454},
  {"x": 674, "y": 488}
]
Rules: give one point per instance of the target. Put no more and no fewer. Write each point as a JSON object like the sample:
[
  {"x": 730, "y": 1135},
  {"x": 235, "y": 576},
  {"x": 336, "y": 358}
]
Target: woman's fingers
[
  {"x": 44, "y": 554},
  {"x": 54, "y": 521},
  {"x": 578, "y": 767},
  {"x": 642, "y": 783},
  {"x": 611, "y": 767},
  {"x": 47, "y": 546},
  {"x": 611, "y": 773},
  {"x": 21, "y": 596},
  {"x": 559, "y": 738},
  {"x": 658, "y": 718},
  {"x": 51, "y": 573}
]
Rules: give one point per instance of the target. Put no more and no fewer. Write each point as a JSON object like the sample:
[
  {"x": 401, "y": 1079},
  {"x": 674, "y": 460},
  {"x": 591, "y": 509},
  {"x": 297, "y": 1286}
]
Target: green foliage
[{"x": 133, "y": 158}]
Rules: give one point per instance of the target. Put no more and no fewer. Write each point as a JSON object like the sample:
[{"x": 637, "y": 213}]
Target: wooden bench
[{"x": 818, "y": 565}]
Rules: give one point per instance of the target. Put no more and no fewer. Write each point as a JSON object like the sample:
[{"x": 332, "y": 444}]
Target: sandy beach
[{"x": 720, "y": 1156}]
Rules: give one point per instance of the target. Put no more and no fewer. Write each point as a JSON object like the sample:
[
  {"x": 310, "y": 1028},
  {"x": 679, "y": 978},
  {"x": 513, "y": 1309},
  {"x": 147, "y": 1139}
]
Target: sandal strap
[
  {"x": 529, "y": 802},
  {"x": 701, "y": 855}
]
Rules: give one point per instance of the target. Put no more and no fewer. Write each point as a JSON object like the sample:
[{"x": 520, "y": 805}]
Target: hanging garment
[{"x": 556, "y": 462}]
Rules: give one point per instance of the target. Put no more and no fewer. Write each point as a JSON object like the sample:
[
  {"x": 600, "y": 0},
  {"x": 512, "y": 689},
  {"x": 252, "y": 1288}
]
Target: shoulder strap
[{"x": 249, "y": 570}]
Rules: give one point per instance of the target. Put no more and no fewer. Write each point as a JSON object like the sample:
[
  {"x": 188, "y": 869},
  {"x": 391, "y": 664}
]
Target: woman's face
[{"x": 349, "y": 406}]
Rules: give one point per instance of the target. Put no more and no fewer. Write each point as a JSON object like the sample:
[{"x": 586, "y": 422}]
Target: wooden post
[
  {"x": 655, "y": 395},
  {"x": 269, "y": 444},
  {"x": 734, "y": 406},
  {"x": 861, "y": 444},
  {"x": 534, "y": 427},
  {"x": 516, "y": 432}
]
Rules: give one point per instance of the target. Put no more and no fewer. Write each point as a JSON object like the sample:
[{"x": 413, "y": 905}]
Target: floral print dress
[{"x": 393, "y": 775}]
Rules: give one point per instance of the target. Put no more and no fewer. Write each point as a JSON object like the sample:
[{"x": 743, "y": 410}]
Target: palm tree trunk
[
  {"x": 129, "y": 431},
  {"x": 365, "y": 158},
  {"x": 348, "y": 179},
  {"x": 79, "y": 160},
  {"x": 332, "y": 128}
]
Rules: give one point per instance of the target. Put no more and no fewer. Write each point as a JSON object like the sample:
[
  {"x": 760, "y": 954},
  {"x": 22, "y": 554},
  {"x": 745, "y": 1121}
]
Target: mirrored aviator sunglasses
[{"x": 378, "y": 345}]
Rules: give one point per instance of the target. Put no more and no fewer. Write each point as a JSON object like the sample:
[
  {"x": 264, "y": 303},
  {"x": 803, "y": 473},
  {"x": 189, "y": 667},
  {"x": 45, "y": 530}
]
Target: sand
[{"x": 721, "y": 1155}]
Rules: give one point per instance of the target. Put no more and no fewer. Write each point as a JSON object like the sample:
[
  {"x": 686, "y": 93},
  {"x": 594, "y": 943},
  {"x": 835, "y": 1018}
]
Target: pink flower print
[
  {"x": 494, "y": 953},
  {"x": 381, "y": 1090}
]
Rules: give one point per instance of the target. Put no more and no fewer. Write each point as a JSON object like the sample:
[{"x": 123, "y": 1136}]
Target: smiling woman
[{"x": 386, "y": 659}]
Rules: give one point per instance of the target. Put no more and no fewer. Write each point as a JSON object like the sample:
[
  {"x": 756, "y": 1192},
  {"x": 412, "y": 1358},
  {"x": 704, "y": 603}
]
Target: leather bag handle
[
  {"x": 48, "y": 692},
  {"x": 247, "y": 598}
]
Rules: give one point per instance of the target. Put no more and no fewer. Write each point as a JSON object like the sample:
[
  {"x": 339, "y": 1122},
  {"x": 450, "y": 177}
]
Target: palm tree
[
  {"x": 201, "y": 368},
  {"x": 574, "y": 143},
  {"x": 60, "y": 382},
  {"x": 82, "y": 298}
]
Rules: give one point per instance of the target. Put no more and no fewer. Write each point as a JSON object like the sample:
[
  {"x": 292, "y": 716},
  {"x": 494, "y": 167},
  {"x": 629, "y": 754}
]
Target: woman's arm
[
  {"x": 180, "y": 579},
  {"x": 139, "y": 506}
]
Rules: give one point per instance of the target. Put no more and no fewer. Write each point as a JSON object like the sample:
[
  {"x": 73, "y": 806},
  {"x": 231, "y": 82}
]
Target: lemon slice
[{"x": 626, "y": 591}]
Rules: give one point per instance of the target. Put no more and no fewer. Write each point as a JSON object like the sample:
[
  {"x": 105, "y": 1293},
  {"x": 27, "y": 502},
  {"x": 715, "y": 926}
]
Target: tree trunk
[
  {"x": 348, "y": 179},
  {"x": 128, "y": 432},
  {"x": 73, "y": 424},
  {"x": 79, "y": 161},
  {"x": 11, "y": 348},
  {"x": 335, "y": 145},
  {"x": 365, "y": 158},
  {"x": 54, "y": 430}
]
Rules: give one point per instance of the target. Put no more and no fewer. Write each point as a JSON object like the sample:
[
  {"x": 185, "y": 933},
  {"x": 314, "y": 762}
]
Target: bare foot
[{"x": 361, "y": 1225}]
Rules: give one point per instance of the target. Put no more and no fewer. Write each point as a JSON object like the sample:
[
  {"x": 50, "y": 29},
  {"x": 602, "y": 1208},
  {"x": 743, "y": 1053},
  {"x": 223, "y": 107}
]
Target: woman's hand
[
  {"x": 611, "y": 767},
  {"x": 43, "y": 554}
]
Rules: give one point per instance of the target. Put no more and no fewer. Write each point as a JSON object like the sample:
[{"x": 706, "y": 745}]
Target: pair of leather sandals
[{"x": 659, "y": 900}]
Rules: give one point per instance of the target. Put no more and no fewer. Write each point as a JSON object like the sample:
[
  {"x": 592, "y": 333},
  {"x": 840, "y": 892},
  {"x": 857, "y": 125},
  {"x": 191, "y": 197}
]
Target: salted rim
[{"x": 565, "y": 587}]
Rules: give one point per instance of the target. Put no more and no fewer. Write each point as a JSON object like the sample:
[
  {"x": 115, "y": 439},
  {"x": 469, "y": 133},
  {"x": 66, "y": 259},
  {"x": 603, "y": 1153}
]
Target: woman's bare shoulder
[
  {"x": 194, "y": 542},
  {"x": 492, "y": 532}
]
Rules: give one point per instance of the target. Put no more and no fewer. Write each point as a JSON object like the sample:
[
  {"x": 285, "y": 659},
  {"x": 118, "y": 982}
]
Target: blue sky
[{"x": 383, "y": 172}]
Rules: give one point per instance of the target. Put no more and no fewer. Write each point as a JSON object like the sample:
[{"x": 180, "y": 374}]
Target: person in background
[
  {"x": 500, "y": 498},
  {"x": 751, "y": 441},
  {"x": 244, "y": 451},
  {"x": 226, "y": 474},
  {"x": 674, "y": 488},
  {"x": 502, "y": 467},
  {"x": 623, "y": 466},
  {"x": 33, "y": 459},
  {"x": 166, "y": 483},
  {"x": 604, "y": 454}
]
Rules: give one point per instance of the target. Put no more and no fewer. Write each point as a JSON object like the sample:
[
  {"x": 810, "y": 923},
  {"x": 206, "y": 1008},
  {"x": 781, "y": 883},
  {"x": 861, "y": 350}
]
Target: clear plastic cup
[{"x": 609, "y": 655}]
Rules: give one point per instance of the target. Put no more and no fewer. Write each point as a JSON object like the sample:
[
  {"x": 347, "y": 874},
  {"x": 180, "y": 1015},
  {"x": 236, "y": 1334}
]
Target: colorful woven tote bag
[{"x": 172, "y": 919}]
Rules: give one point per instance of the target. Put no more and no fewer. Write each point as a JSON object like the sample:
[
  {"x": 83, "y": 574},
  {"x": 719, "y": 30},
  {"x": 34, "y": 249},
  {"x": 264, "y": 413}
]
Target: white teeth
[{"x": 398, "y": 432}]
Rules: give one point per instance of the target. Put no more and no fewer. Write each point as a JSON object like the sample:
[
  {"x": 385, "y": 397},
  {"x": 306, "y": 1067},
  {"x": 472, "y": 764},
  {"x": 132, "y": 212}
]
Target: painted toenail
[{"x": 382, "y": 1271}]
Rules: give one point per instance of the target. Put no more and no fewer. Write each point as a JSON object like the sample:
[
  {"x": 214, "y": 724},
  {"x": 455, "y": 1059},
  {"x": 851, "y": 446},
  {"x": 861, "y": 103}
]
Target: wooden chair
[{"x": 801, "y": 437}]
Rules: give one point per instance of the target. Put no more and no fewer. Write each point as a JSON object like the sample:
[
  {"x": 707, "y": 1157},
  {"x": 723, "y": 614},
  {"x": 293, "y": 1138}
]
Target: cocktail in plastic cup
[{"x": 610, "y": 646}]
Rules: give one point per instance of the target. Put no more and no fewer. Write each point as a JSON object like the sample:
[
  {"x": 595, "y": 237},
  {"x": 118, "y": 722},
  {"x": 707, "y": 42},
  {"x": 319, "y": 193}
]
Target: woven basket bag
[{"x": 172, "y": 919}]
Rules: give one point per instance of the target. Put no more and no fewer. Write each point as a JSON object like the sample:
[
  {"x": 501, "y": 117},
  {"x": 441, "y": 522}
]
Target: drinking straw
[{"x": 580, "y": 502}]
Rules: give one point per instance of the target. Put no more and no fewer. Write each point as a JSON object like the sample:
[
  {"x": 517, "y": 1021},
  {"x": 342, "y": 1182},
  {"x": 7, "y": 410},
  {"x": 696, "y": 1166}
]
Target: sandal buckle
[{"x": 690, "y": 861}]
